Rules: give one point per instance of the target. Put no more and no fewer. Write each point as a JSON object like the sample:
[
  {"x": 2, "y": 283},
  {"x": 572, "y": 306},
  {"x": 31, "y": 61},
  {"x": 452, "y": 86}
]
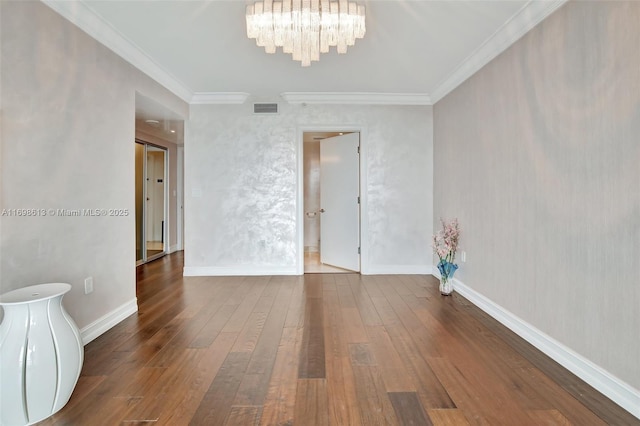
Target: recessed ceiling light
[
  {"x": 153, "y": 123},
  {"x": 172, "y": 131}
]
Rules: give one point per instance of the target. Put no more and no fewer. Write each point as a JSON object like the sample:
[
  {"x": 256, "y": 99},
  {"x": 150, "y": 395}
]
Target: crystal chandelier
[{"x": 305, "y": 28}]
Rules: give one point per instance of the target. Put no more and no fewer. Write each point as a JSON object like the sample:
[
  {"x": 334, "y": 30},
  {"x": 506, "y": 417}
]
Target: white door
[{"x": 339, "y": 201}]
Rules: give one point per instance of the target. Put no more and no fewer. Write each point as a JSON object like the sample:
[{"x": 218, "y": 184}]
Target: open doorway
[
  {"x": 331, "y": 185},
  {"x": 151, "y": 201},
  {"x": 159, "y": 137}
]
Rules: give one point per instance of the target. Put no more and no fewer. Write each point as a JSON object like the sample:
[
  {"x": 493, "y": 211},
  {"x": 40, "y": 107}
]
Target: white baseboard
[
  {"x": 215, "y": 271},
  {"x": 103, "y": 324},
  {"x": 173, "y": 248},
  {"x": 397, "y": 270},
  {"x": 604, "y": 382}
]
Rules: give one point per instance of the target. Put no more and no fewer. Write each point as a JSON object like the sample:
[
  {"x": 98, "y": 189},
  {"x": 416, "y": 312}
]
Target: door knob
[{"x": 321, "y": 210}]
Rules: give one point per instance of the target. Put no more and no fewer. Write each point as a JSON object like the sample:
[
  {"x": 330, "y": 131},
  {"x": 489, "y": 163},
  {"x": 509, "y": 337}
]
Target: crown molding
[
  {"x": 356, "y": 98},
  {"x": 218, "y": 98},
  {"x": 530, "y": 15},
  {"x": 82, "y": 16}
]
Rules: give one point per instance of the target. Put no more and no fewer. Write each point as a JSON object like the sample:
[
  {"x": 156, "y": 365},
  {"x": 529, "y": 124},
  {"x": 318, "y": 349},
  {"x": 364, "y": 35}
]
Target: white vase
[
  {"x": 41, "y": 354},
  {"x": 446, "y": 286}
]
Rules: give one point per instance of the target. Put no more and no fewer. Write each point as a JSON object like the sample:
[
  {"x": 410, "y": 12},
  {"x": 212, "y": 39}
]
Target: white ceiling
[{"x": 199, "y": 49}]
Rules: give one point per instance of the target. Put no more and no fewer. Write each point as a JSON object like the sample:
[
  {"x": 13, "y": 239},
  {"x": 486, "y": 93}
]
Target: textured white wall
[
  {"x": 538, "y": 156},
  {"x": 241, "y": 183},
  {"x": 68, "y": 109}
]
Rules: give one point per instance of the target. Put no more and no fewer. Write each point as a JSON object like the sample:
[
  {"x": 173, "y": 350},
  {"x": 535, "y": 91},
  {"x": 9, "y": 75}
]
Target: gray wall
[
  {"x": 241, "y": 177},
  {"x": 68, "y": 129},
  {"x": 538, "y": 156}
]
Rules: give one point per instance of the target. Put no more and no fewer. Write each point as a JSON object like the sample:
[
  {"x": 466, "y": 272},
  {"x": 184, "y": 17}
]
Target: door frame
[
  {"x": 364, "y": 223},
  {"x": 165, "y": 226},
  {"x": 180, "y": 199}
]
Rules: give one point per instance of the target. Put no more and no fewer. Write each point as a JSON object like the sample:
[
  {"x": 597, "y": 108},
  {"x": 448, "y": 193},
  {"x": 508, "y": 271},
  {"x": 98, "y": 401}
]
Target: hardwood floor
[{"x": 320, "y": 349}]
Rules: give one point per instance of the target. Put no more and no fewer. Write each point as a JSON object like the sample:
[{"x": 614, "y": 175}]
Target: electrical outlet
[
  {"x": 88, "y": 285},
  {"x": 463, "y": 256}
]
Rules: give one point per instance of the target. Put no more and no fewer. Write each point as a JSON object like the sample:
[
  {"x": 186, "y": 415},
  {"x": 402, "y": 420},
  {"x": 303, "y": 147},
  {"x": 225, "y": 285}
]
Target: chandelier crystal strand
[
  {"x": 287, "y": 23},
  {"x": 296, "y": 29},
  {"x": 278, "y": 26},
  {"x": 314, "y": 42},
  {"x": 343, "y": 26},
  {"x": 305, "y": 28},
  {"x": 305, "y": 34},
  {"x": 325, "y": 23},
  {"x": 268, "y": 29}
]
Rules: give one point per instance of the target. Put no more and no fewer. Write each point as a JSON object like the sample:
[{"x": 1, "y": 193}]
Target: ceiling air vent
[{"x": 265, "y": 108}]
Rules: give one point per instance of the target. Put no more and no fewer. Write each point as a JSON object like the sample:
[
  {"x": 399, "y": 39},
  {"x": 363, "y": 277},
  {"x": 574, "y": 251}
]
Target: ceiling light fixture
[{"x": 305, "y": 28}]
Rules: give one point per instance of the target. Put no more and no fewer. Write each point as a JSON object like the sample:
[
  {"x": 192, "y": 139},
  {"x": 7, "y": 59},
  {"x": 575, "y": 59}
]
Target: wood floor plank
[
  {"x": 431, "y": 391},
  {"x": 469, "y": 392},
  {"x": 343, "y": 409},
  {"x": 188, "y": 395},
  {"x": 202, "y": 329},
  {"x": 249, "y": 335},
  {"x": 387, "y": 349},
  {"x": 486, "y": 347},
  {"x": 216, "y": 403},
  {"x": 154, "y": 400},
  {"x": 383, "y": 308},
  {"x": 244, "y": 415},
  {"x": 429, "y": 344},
  {"x": 312, "y": 354},
  {"x": 447, "y": 417},
  {"x": 396, "y": 376},
  {"x": 295, "y": 312},
  {"x": 373, "y": 400},
  {"x": 256, "y": 286},
  {"x": 255, "y": 385},
  {"x": 209, "y": 331},
  {"x": 568, "y": 406},
  {"x": 363, "y": 301},
  {"x": 416, "y": 284},
  {"x": 280, "y": 401},
  {"x": 311, "y": 403},
  {"x": 353, "y": 324},
  {"x": 361, "y": 354},
  {"x": 408, "y": 409},
  {"x": 414, "y": 350},
  {"x": 549, "y": 418}
]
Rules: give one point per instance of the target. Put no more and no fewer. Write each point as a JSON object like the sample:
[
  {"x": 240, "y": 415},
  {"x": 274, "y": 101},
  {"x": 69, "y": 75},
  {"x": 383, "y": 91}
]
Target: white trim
[
  {"x": 398, "y": 270},
  {"x": 225, "y": 271},
  {"x": 217, "y": 98},
  {"x": 530, "y": 15},
  {"x": 82, "y": 16},
  {"x": 180, "y": 199},
  {"x": 172, "y": 249},
  {"x": 356, "y": 98},
  {"x": 167, "y": 202},
  {"x": 604, "y": 382},
  {"x": 364, "y": 223},
  {"x": 106, "y": 322}
]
